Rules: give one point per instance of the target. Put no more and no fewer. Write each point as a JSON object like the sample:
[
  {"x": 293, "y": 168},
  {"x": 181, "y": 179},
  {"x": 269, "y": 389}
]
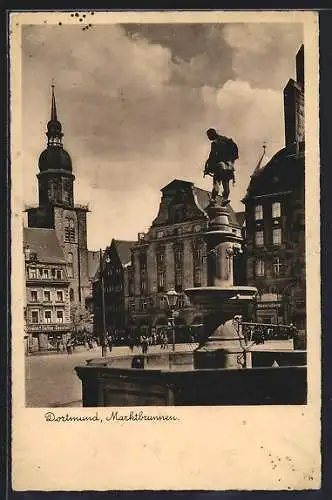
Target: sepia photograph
[{"x": 164, "y": 236}]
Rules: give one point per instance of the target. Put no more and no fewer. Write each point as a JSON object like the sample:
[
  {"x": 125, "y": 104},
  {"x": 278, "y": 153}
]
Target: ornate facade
[{"x": 275, "y": 219}]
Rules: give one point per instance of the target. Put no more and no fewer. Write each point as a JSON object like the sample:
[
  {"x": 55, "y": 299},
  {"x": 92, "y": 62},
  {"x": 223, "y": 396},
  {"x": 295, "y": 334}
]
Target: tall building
[
  {"x": 57, "y": 210},
  {"x": 275, "y": 218},
  {"x": 171, "y": 255},
  {"x": 115, "y": 261},
  {"x": 47, "y": 308}
]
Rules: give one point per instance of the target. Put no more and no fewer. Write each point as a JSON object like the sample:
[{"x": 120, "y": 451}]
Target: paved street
[{"x": 51, "y": 380}]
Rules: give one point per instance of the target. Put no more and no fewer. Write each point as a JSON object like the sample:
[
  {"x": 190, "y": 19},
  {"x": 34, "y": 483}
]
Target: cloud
[
  {"x": 264, "y": 53},
  {"x": 135, "y": 101}
]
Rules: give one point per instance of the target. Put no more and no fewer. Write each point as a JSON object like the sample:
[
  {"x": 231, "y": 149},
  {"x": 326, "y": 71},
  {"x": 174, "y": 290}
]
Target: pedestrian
[
  {"x": 69, "y": 347},
  {"x": 144, "y": 345},
  {"x": 110, "y": 342},
  {"x": 131, "y": 343}
]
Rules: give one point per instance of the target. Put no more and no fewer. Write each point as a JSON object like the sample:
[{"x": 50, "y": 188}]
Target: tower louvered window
[{"x": 69, "y": 230}]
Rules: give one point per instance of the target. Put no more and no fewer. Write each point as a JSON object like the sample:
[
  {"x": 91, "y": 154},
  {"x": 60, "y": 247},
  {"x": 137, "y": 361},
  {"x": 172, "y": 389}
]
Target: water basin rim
[{"x": 211, "y": 289}]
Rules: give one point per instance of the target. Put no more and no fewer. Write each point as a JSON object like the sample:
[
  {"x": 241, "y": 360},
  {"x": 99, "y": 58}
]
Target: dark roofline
[{"x": 177, "y": 180}]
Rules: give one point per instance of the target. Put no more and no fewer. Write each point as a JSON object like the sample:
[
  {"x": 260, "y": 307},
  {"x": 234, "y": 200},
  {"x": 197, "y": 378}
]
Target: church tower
[
  {"x": 55, "y": 178},
  {"x": 56, "y": 209}
]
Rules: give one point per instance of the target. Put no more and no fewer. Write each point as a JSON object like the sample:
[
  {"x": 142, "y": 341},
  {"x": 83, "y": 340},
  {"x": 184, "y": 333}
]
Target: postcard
[{"x": 165, "y": 250}]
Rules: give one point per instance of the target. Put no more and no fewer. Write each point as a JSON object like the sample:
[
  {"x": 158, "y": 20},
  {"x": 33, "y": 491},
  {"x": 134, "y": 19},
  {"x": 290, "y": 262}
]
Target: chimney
[
  {"x": 294, "y": 105},
  {"x": 300, "y": 67}
]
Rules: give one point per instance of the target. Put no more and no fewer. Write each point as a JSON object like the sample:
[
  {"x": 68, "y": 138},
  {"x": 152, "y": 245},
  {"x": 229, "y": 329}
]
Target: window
[
  {"x": 197, "y": 256},
  {"x": 69, "y": 229},
  {"x": 178, "y": 257},
  {"x": 278, "y": 267},
  {"x": 197, "y": 277},
  {"x": 276, "y": 236},
  {"x": 259, "y": 267},
  {"x": 142, "y": 261},
  {"x": 47, "y": 296},
  {"x": 276, "y": 210},
  {"x": 70, "y": 265},
  {"x": 59, "y": 274},
  {"x": 34, "y": 317},
  {"x": 181, "y": 302},
  {"x": 259, "y": 238},
  {"x": 178, "y": 280},
  {"x": 160, "y": 234},
  {"x": 160, "y": 259},
  {"x": 162, "y": 302},
  {"x": 34, "y": 297},
  {"x": 71, "y": 295},
  {"x": 258, "y": 212},
  {"x": 132, "y": 306},
  {"x": 144, "y": 305},
  {"x": 45, "y": 273},
  {"x": 143, "y": 285},
  {"x": 32, "y": 273},
  {"x": 197, "y": 228},
  {"x": 161, "y": 281},
  {"x": 48, "y": 316},
  {"x": 178, "y": 264},
  {"x": 59, "y": 316},
  {"x": 59, "y": 296}
]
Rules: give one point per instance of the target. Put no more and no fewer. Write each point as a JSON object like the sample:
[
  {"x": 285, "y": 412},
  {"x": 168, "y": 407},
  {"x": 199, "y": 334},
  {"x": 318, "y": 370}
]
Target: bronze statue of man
[{"x": 220, "y": 163}]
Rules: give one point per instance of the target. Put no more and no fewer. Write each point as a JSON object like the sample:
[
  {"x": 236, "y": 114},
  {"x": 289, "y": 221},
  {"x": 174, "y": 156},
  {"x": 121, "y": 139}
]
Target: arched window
[
  {"x": 70, "y": 265},
  {"x": 71, "y": 230},
  {"x": 71, "y": 295}
]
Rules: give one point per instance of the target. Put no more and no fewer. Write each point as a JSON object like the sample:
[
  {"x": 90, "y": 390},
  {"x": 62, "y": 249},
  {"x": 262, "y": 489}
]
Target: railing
[
  {"x": 258, "y": 332},
  {"x": 82, "y": 206}
]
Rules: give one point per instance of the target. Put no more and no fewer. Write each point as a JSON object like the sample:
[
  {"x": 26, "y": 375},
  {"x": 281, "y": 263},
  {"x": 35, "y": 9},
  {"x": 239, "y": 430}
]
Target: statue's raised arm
[{"x": 220, "y": 163}]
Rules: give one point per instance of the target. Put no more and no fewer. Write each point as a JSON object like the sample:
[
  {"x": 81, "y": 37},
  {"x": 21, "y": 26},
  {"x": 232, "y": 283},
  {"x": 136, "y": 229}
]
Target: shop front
[
  {"x": 47, "y": 337},
  {"x": 270, "y": 312}
]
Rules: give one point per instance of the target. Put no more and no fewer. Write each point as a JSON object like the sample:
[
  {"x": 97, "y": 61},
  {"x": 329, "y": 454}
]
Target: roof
[
  {"x": 93, "y": 262},
  {"x": 123, "y": 248},
  {"x": 45, "y": 244},
  {"x": 241, "y": 216}
]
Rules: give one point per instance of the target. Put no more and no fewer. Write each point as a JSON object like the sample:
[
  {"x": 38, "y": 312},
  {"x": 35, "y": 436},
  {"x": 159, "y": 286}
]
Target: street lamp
[{"x": 172, "y": 298}]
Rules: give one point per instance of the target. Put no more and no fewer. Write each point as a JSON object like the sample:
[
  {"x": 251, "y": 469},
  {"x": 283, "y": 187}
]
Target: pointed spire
[
  {"x": 53, "y": 108},
  {"x": 54, "y": 127},
  {"x": 262, "y": 160}
]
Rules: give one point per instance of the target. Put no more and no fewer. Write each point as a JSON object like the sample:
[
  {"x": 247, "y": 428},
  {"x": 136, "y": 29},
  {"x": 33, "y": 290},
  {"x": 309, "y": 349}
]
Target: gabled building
[
  {"x": 112, "y": 275},
  {"x": 57, "y": 210},
  {"x": 275, "y": 219},
  {"x": 47, "y": 307}
]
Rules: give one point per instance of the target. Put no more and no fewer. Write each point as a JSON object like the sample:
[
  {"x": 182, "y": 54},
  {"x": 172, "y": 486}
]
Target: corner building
[
  {"x": 56, "y": 209},
  {"x": 47, "y": 305},
  {"x": 275, "y": 219}
]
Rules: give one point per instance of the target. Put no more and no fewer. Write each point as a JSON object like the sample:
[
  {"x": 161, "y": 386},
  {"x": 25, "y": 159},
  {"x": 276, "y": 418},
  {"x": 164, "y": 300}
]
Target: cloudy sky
[{"x": 135, "y": 101}]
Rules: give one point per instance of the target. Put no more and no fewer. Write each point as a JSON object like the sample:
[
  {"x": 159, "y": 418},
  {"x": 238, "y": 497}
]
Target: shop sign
[
  {"x": 269, "y": 305},
  {"x": 50, "y": 327}
]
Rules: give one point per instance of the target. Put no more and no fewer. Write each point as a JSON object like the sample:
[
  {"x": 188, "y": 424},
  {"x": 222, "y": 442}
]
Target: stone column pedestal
[{"x": 220, "y": 301}]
